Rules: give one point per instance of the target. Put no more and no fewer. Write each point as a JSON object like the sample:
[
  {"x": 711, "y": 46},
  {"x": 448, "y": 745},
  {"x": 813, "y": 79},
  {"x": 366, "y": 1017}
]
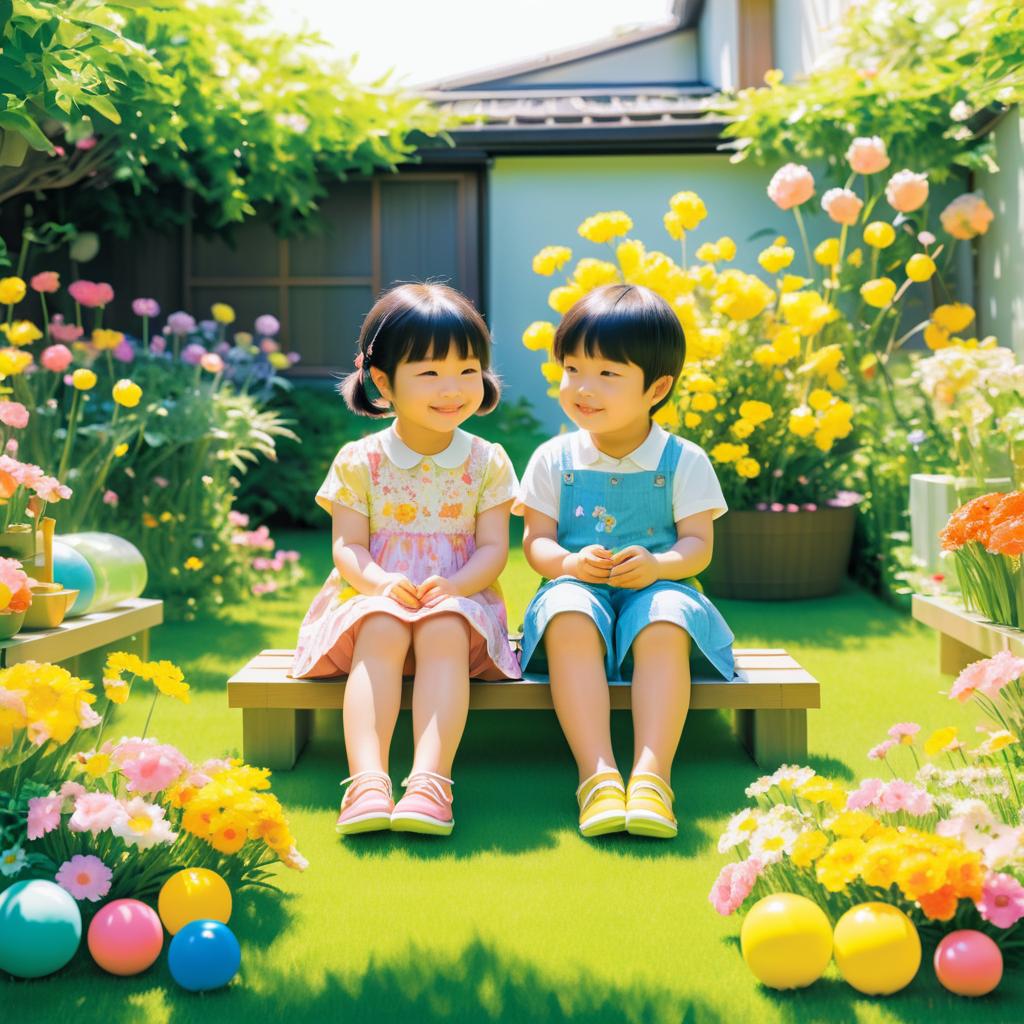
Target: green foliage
[
  {"x": 205, "y": 96},
  {"x": 921, "y": 77}
]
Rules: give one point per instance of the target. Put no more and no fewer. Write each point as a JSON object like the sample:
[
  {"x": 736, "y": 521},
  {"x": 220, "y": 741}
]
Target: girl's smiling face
[
  {"x": 603, "y": 396},
  {"x": 434, "y": 394}
]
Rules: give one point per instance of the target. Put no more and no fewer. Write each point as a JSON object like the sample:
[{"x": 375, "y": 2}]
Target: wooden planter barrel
[{"x": 780, "y": 556}]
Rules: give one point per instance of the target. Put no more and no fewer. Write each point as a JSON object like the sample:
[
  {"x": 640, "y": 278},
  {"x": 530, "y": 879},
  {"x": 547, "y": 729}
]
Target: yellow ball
[
  {"x": 194, "y": 894},
  {"x": 786, "y": 941},
  {"x": 877, "y": 948}
]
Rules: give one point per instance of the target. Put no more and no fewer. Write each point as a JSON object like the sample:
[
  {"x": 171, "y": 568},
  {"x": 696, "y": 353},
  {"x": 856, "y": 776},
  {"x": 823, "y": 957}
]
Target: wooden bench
[
  {"x": 770, "y": 699},
  {"x": 964, "y": 636}
]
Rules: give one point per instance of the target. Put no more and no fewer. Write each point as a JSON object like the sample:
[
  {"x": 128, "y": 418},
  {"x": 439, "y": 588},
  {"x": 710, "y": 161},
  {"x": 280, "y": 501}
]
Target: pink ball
[
  {"x": 968, "y": 963},
  {"x": 126, "y": 937}
]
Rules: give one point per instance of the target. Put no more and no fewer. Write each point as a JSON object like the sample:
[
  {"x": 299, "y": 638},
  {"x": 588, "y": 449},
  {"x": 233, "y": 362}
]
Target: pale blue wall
[{"x": 538, "y": 201}]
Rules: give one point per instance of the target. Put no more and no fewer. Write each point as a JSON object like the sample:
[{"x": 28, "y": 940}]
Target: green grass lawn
[{"x": 516, "y": 918}]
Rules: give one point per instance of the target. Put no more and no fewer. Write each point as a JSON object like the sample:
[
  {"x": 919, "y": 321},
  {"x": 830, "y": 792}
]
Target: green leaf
[{"x": 102, "y": 105}]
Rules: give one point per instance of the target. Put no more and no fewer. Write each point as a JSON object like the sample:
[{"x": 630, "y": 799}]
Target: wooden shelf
[
  {"x": 964, "y": 636},
  {"x": 79, "y": 636}
]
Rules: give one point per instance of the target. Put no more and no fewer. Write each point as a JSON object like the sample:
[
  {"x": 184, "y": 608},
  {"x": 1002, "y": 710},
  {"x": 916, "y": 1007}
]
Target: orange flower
[
  {"x": 966, "y": 875},
  {"x": 1007, "y": 538},
  {"x": 405, "y": 513},
  {"x": 969, "y": 522},
  {"x": 451, "y": 511},
  {"x": 939, "y": 905}
]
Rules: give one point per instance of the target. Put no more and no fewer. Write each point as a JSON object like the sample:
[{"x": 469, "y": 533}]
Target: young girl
[
  {"x": 618, "y": 514},
  {"x": 420, "y": 517}
]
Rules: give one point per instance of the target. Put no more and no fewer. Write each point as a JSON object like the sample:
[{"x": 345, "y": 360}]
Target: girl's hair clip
[{"x": 358, "y": 361}]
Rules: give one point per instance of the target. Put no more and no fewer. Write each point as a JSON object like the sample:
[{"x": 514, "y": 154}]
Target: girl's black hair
[
  {"x": 411, "y": 322},
  {"x": 625, "y": 323}
]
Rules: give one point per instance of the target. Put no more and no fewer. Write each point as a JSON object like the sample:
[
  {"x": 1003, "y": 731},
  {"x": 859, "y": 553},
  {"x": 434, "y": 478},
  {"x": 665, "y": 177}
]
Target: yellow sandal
[
  {"x": 602, "y": 801},
  {"x": 649, "y": 807}
]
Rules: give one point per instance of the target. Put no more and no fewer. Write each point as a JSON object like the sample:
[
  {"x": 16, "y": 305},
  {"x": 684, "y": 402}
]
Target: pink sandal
[
  {"x": 367, "y": 804},
  {"x": 426, "y": 807}
]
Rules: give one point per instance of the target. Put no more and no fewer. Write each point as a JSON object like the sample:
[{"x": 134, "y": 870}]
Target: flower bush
[
  {"x": 116, "y": 819},
  {"x": 153, "y": 432}
]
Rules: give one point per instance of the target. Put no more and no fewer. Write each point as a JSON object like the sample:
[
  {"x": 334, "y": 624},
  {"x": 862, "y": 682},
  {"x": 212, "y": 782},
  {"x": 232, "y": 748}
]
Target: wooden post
[
  {"x": 274, "y": 737},
  {"x": 955, "y": 656},
  {"x": 772, "y": 736}
]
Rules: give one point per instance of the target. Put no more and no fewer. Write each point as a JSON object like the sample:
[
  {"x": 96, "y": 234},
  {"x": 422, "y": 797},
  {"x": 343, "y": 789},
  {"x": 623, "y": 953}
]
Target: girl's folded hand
[
  {"x": 633, "y": 568},
  {"x": 434, "y": 589},
  {"x": 401, "y": 590},
  {"x": 591, "y": 564}
]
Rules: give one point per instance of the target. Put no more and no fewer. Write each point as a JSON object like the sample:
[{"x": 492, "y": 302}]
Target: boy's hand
[
  {"x": 401, "y": 590},
  {"x": 591, "y": 564},
  {"x": 633, "y": 568},
  {"x": 434, "y": 589}
]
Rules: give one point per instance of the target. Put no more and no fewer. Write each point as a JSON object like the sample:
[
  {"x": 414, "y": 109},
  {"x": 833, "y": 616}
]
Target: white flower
[
  {"x": 960, "y": 111},
  {"x": 972, "y": 812},
  {"x": 12, "y": 861},
  {"x": 143, "y": 825},
  {"x": 739, "y": 830}
]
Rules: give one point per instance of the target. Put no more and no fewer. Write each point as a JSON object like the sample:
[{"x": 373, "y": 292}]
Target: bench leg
[
  {"x": 773, "y": 737},
  {"x": 274, "y": 737},
  {"x": 955, "y": 656}
]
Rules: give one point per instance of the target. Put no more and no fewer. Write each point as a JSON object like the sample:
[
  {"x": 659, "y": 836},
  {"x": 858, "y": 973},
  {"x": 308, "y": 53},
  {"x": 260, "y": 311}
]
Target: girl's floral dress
[{"x": 422, "y": 511}]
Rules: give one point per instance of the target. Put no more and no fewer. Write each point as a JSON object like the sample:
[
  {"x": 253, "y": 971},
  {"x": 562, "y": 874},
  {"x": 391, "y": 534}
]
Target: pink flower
[
  {"x": 91, "y": 294},
  {"x": 878, "y": 753},
  {"x": 867, "y": 155},
  {"x": 267, "y": 325},
  {"x": 110, "y": 498},
  {"x": 904, "y": 732},
  {"x": 790, "y": 186},
  {"x": 124, "y": 352},
  {"x": 87, "y": 143},
  {"x": 907, "y": 191},
  {"x": 145, "y": 307},
  {"x": 967, "y": 216},
  {"x": 161, "y": 481},
  {"x": 150, "y": 768},
  {"x": 212, "y": 363},
  {"x": 268, "y": 345},
  {"x": 157, "y": 345},
  {"x": 71, "y": 790},
  {"x": 13, "y": 414},
  {"x": 61, "y": 331},
  {"x": 734, "y": 885},
  {"x": 56, "y": 358},
  {"x": 987, "y": 676},
  {"x": 49, "y": 488},
  {"x": 85, "y": 877},
  {"x": 1002, "y": 900},
  {"x": 87, "y": 718},
  {"x": 238, "y": 518},
  {"x": 926, "y": 238},
  {"x": 95, "y": 813},
  {"x": 47, "y": 281},
  {"x": 900, "y": 795},
  {"x": 43, "y": 815},
  {"x": 866, "y": 795},
  {"x": 843, "y": 205},
  {"x": 193, "y": 353}
]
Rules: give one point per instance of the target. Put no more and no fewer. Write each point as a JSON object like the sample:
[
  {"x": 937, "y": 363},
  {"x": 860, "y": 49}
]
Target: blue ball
[
  {"x": 204, "y": 955},
  {"x": 40, "y": 928}
]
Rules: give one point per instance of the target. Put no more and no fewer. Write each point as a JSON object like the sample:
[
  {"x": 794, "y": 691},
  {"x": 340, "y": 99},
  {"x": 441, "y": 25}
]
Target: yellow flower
[
  {"x": 552, "y": 371},
  {"x": 193, "y": 564},
  {"x": 953, "y": 316},
  {"x": 808, "y": 847},
  {"x": 708, "y": 252},
  {"x": 127, "y": 393},
  {"x": 83, "y": 379},
  {"x": 745, "y": 296},
  {"x": 97, "y": 765},
  {"x": 630, "y": 254},
  {"x": 994, "y": 742},
  {"x": 920, "y": 873},
  {"x": 603, "y": 227},
  {"x": 21, "y": 332},
  {"x": 691, "y": 420},
  {"x": 742, "y": 429},
  {"x": 540, "y": 335},
  {"x": 773, "y": 78},
  {"x": 775, "y": 258},
  {"x": 836, "y": 381},
  {"x": 819, "y": 399},
  {"x": 748, "y": 468},
  {"x": 698, "y": 382},
  {"x": 802, "y": 422},
  {"x": 822, "y": 791},
  {"x": 879, "y": 235},
  {"x": 836, "y": 418},
  {"x": 673, "y": 225},
  {"x": 228, "y": 832},
  {"x": 703, "y": 402},
  {"x": 121, "y": 449},
  {"x": 766, "y": 356},
  {"x": 667, "y": 416},
  {"x": 852, "y": 824},
  {"x": 105, "y": 340},
  {"x": 881, "y": 862},
  {"x": 793, "y": 283},
  {"x": 726, "y": 248},
  {"x": 591, "y": 273},
  {"x": 920, "y": 267},
  {"x": 936, "y": 336},
  {"x": 786, "y": 343},
  {"x": 756, "y": 412},
  {"x": 168, "y": 679},
  {"x": 856, "y": 258},
  {"x": 725, "y": 452},
  {"x": 689, "y": 208},
  {"x": 278, "y": 360},
  {"x": 115, "y": 689},
  {"x": 550, "y": 259},
  {"x": 839, "y": 866},
  {"x": 222, "y": 313},
  {"x": 878, "y": 292},
  {"x": 940, "y": 740},
  {"x": 562, "y": 299},
  {"x": 13, "y": 362},
  {"x": 148, "y": 519},
  {"x": 405, "y": 513},
  {"x": 808, "y": 312},
  {"x": 826, "y": 253},
  {"x": 12, "y": 290},
  {"x": 824, "y": 439},
  {"x": 166, "y": 517}
]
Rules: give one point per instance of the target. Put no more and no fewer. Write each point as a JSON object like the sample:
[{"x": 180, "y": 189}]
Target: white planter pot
[{"x": 932, "y": 498}]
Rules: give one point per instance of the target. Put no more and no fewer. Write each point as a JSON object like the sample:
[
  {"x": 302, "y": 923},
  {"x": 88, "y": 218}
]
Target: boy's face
[
  {"x": 602, "y": 396},
  {"x": 438, "y": 394}
]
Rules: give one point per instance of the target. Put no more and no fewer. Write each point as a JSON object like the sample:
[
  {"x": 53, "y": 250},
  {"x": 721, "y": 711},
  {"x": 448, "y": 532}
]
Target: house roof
[{"x": 519, "y": 108}]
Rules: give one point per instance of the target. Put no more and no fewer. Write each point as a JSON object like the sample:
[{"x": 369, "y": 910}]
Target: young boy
[{"x": 617, "y": 515}]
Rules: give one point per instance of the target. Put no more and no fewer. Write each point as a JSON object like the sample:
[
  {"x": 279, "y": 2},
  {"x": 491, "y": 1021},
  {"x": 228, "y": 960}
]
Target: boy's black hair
[
  {"x": 625, "y": 323},
  {"x": 412, "y": 322}
]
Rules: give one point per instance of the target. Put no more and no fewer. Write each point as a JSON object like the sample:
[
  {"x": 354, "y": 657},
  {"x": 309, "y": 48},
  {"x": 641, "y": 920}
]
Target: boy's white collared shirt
[
  {"x": 405, "y": 458},
  {"x": 695, "y": 487}
]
